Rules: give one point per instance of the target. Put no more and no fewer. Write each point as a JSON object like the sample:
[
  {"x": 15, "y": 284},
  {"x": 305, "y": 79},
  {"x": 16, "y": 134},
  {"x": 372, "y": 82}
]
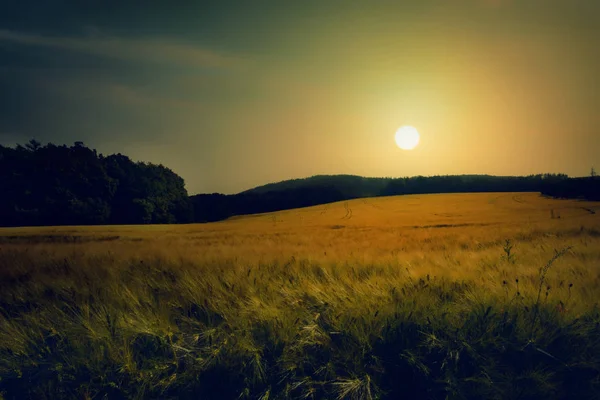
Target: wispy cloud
[{"x": 148, "y": 49}]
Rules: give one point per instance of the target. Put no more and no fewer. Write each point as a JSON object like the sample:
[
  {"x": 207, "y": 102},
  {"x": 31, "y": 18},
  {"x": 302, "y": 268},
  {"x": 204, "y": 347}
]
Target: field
[{"x": 455, "y": 296}]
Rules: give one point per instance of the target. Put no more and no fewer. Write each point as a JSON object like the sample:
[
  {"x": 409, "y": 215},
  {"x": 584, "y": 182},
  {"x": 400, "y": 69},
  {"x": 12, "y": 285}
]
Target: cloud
[
  {"x": 118, "y": 94},
  {"x": 150, "y": 49}
]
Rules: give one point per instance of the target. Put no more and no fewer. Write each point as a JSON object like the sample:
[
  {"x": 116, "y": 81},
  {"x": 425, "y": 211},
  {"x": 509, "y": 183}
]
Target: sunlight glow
[{"x": 407, "y": 137}]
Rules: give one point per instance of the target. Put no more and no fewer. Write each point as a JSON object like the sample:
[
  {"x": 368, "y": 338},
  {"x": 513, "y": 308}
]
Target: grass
[{"x": 437, "y": 296}]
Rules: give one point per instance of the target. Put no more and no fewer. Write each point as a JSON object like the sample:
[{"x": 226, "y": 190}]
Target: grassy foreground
[{"x": 441, "y": 296}]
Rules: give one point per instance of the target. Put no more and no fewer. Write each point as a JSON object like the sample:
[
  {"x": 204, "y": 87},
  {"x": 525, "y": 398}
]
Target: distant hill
[
  {"x": 349, "y": 186},
  {"x": 322, "y": 189}
]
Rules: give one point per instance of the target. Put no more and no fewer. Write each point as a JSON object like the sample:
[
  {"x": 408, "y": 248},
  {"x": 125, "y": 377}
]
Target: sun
[{"x": 407, "y": 137}]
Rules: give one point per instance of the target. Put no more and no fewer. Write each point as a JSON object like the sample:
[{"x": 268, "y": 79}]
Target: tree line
[
  {"x": 322, "y": 189},
  {"x": 74, "y": 185}
]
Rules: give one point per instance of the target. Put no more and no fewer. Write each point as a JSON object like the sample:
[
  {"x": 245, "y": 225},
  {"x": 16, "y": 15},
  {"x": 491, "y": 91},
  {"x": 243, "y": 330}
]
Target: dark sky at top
[{"x": 231, "y": 95}]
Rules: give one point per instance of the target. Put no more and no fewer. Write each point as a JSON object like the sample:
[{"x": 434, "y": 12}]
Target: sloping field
[
  {"x": 491, "y": 295},
  {"x": 366, "y": 230}
]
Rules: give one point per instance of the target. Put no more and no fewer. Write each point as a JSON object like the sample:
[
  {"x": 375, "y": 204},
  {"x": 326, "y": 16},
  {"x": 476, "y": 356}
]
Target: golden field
[{"x": 433, "y": 296}]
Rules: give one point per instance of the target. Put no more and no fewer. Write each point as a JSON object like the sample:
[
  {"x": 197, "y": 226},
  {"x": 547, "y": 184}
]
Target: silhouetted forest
[
  {"x": 574, "y": 188},
  {"x": 215, "y": 207},
  {"x": 62, "y": 185},
  {"x": 322, "y": 189},
  {"x": 349, "y": 186}
]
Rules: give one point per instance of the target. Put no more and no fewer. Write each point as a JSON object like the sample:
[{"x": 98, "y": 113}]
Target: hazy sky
[{"x": 231, "y": 95}]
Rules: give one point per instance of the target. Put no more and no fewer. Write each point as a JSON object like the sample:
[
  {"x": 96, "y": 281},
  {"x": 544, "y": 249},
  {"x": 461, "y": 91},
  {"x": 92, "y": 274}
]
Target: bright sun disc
[{"x": 407, "y": 138}]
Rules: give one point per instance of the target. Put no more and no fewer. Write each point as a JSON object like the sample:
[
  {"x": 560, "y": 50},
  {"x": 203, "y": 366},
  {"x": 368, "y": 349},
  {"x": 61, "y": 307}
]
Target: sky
[{"x": 236, "y": 94}]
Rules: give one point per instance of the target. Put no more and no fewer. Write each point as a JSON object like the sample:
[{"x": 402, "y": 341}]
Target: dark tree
[{"x": 61, "y": 185}]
